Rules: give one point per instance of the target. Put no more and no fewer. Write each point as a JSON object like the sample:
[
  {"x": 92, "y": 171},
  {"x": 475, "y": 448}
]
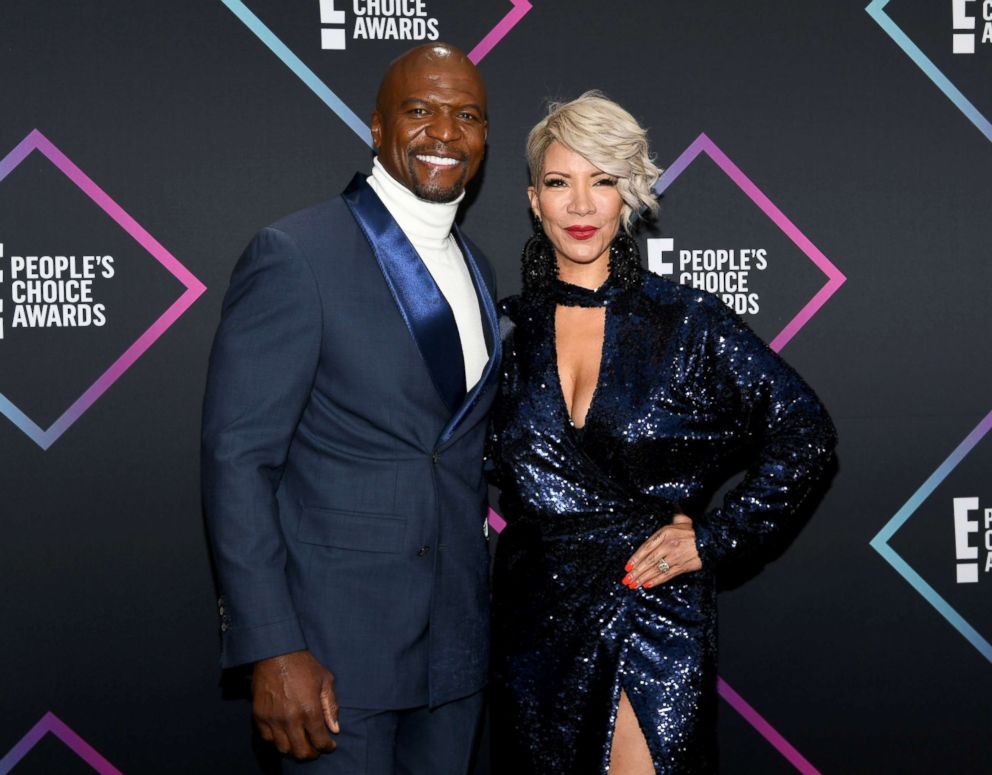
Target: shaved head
[{"x": 429, "y": 55}]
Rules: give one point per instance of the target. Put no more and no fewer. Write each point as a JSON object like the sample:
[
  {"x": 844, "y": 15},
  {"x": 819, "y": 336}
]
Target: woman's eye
[
  {"x": 606, "y": 182},
  {"x": 554, "y": 182}
]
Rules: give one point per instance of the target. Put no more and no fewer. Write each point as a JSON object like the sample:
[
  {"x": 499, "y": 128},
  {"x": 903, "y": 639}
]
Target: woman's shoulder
[
  {"x": 661, "y": 290},
  {"x": 511, "y": 311},
  {"x": 515, "y": 309}
]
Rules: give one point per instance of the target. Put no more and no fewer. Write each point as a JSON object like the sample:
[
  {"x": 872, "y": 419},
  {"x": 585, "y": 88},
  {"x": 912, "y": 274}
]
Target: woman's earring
[
  {"x": 537, "y": 263},
  {"x": 625, "y": 260}
]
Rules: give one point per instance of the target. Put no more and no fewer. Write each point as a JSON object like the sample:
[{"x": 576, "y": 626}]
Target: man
[{"x": 343, "y": 430}]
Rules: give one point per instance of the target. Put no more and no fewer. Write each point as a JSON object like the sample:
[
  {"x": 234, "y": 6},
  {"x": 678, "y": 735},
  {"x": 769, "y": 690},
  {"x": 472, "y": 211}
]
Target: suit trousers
[{"x": 415, "y": 741}]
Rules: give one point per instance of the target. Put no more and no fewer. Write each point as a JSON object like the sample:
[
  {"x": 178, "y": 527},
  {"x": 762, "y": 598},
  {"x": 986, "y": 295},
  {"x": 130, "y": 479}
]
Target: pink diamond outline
[
  {"x": 50, "y": 723},
  {"x": 835, "y": 278},
  {"x": 44, "y": 438},
  {"x": 499, "y": 31}
]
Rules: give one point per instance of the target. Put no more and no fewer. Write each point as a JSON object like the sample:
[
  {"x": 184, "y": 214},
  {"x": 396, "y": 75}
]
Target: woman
[{"x": 626, "y": 401}]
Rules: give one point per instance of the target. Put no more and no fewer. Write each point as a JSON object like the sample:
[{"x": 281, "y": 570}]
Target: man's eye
[
  {"x": 468, "y": 117},
  {"x": 418, "y": 111}
]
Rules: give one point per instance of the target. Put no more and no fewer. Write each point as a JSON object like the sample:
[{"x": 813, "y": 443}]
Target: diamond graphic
[
  {"x": 880, "y": 543},
  {"x": 45, "y": 437},
  {"x": 835, "y": 278},
  {"x": 52, "y": 723},
  {"x": 766, "y": 730},
  {"x": 324, "y": 92},
  {"x": 876, "y": 9}
]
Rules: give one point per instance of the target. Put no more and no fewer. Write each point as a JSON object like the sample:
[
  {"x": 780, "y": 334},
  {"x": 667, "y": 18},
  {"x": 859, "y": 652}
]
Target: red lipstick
[{"x": 582, "y": 232}]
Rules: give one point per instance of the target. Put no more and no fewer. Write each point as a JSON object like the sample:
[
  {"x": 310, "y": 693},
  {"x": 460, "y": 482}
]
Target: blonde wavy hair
[{"x": 609, "y": 138}]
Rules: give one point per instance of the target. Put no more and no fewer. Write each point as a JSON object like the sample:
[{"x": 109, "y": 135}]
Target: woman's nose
[{"x": 581, "y": 202}]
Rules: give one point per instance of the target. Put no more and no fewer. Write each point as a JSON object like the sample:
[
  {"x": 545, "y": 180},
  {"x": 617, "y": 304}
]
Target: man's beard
[{"x": 430, "y": 190}]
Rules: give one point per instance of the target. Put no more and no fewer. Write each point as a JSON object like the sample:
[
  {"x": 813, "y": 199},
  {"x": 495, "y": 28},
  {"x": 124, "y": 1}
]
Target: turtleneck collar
[{"x": 426, "y": 224}]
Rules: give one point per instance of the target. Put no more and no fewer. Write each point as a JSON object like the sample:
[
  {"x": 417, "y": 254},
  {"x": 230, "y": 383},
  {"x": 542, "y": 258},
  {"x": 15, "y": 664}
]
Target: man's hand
[{"x": 293, "y": 704}]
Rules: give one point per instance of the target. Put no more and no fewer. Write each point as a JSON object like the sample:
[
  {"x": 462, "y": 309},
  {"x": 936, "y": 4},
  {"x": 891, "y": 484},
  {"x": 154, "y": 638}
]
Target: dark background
[{"x": 180, "y": 113}]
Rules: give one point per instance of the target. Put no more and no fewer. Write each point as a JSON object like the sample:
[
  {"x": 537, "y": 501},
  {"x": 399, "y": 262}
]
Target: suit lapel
[
  {"x": 490, "y": 328},
  {"x": 423, "y": 307}
]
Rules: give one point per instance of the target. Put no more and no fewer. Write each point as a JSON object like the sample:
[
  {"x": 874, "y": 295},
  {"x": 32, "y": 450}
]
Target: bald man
[{"x": 343, "y": 429}]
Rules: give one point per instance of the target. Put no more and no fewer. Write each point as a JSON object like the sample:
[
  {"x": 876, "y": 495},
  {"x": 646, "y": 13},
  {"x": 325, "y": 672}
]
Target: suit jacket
[{"x": 342, "y": 482}]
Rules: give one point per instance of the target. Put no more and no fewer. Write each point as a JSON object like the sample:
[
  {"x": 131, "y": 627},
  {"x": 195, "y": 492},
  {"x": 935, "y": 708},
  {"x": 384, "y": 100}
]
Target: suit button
[
  {"x": 423, "y": 550},
  {"x": 435, "y": 456}
]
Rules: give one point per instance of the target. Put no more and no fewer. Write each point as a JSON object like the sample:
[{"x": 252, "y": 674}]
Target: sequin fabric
[{"x": 687, "y": 395}]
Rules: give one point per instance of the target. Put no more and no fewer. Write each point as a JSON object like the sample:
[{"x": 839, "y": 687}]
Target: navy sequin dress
[{"x": 687, "y": 394}]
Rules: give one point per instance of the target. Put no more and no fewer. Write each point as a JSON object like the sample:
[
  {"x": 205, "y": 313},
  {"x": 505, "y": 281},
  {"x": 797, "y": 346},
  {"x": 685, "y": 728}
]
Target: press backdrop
[{"x": 829, "y": 168}]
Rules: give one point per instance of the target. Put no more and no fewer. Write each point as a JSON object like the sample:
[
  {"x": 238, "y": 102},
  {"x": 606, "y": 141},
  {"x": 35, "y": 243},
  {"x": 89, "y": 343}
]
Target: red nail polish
[
  {"x": 626, "y": 579},
  {"x": 629, "y": 566},
  {"x": 648, "y": 584}
]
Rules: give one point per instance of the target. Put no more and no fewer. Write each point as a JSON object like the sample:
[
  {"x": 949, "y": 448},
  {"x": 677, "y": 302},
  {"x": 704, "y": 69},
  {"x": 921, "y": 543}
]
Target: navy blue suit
[{"x": 342, "y": 462}]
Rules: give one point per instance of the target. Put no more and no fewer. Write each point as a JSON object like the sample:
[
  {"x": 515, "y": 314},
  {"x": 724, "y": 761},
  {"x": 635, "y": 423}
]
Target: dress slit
[
  {"x": 611, "y": 718},
  {"x": 620, "y": 681}
]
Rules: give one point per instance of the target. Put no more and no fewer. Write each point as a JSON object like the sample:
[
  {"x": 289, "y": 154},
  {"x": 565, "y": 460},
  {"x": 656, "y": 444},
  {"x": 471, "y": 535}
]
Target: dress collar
[{"x": 569, "y": 295}]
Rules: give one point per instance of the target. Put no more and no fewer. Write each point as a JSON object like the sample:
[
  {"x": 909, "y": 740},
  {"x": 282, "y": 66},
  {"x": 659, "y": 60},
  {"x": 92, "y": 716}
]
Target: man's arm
[{"x": 262, "y": 369}]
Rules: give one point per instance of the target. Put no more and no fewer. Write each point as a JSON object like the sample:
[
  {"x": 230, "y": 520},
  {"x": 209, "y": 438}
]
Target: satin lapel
[
  {"x": 421, "y": 303},
  {"x": 490, "y": 322}
]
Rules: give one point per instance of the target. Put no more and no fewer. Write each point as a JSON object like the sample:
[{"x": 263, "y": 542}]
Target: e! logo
[
  {"x": 964, "y": 526},
  {"x": 965, "y": 25},
  {"x": 331, "y": 39}
]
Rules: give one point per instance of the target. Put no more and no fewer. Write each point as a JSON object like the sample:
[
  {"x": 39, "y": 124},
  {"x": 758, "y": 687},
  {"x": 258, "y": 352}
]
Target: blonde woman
[{"x": 626, "y": 400}]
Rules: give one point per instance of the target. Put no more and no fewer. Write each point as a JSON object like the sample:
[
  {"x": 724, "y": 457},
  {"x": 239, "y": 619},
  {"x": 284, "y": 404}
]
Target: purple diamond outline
[
  {"x": 45, "y": 437},
  {"x": 835, "y": 278},
  {"x": 50, "y": 723}
]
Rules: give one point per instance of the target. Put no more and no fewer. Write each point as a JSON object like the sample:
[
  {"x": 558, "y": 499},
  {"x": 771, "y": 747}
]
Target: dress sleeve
[{"x": 786, "y": 431}]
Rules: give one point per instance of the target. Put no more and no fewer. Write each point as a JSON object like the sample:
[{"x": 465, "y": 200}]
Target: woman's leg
[{"x": 629, "y": 754}]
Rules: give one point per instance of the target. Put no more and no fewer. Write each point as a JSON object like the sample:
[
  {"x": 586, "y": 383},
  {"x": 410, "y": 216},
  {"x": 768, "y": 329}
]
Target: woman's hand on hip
[{"x": 673, "y": 546}]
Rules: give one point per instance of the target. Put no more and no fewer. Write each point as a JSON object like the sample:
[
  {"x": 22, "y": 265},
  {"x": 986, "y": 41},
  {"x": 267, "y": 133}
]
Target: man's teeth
[{"x": 439, "y": 160}]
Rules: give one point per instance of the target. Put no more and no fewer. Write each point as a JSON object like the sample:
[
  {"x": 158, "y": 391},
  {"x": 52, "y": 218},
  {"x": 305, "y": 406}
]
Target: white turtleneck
[{"x": 428, "y": 227}]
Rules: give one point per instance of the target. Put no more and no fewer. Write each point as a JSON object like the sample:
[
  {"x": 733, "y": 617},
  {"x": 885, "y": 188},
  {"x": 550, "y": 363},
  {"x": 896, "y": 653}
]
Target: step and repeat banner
[{"x": 828, "y": 173}]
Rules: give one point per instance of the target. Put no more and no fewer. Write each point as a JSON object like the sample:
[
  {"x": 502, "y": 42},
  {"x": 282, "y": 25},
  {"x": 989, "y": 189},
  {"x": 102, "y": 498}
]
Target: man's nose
[{"x": 443, "y": 127}]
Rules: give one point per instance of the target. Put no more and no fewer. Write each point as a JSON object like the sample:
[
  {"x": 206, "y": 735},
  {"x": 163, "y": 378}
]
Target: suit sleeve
[
  {"x": 261, "y": 371},
  {"x": 786, "y": 433}
]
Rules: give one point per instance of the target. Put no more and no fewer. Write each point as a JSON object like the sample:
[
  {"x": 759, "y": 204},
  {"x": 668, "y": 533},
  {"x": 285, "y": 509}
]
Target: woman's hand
[{"x": 675, "y": 544}]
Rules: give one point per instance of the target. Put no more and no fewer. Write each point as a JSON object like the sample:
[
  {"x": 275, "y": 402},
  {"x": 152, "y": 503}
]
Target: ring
[{"x": 663, "y": 565}]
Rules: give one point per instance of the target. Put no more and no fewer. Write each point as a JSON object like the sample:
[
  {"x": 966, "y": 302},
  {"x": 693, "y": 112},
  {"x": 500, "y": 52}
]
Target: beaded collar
[{"x": 569, "y": 295}]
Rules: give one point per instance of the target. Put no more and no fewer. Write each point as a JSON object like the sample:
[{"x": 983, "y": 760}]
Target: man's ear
[{"x": 376, "y": 127}]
